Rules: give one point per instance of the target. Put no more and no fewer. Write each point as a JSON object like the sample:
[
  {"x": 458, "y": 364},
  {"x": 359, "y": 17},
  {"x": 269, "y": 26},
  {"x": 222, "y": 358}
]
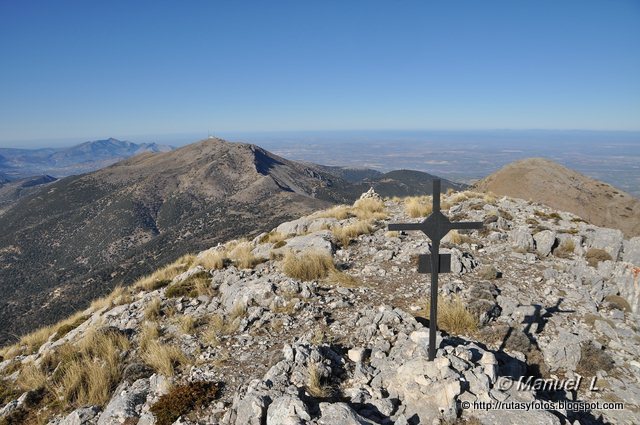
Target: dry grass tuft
[
  {"x": 212, "y": 260},
  {"x": 565, "y": 249},
  {"x": 316, "y": 385},
  {"x": 164, "y": 358},
  {"x": 242, "y": 256},
  {"x": 193, "y": 286},
  {"x": 80, "y": 374},
  {"x": 490, "y": 198},
  {"x": 162, "y": 277},
  {"x": 458, "y": 197},
  {"x": 339, "y": 212},
  {"x": 344, "y": 234},
  {"x": 153, "y": 309},
  {"x": 369, "y": 209},
  {"x": 488, "y": 272},
  {"x": 273, "y": 237},
  {"x": 453, "y": 316},
  {"x": 307, "y": 266},
  {"x": 188, "y": 324},
  {"x": 343, "y": 279},
  {"x": 458, "y": 238},
  {"x": 596, "y": 255},
  {"x": 149, "y": 333},
  {"x": 31, "y": 378},
  {"x": 418, "y": 206}
]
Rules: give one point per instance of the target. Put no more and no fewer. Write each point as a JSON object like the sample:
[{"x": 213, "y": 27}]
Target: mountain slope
[
  {"x": 272, "y": 344},
  {"x": 82, "y": 233},
  {"x": 548, "y": 182},
  {"x": 12, "y": 190}
]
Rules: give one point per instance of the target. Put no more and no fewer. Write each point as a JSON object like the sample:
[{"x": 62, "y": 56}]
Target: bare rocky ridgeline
[{"x": 550, "y": 296}]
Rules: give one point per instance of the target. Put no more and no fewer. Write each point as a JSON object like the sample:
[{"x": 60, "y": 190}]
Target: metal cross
[{"x": 436, "y": 226}]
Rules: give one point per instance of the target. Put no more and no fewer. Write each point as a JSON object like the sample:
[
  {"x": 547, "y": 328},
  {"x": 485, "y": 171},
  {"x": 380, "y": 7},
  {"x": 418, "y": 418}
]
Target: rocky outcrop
[{"x": 350, "y": 346}]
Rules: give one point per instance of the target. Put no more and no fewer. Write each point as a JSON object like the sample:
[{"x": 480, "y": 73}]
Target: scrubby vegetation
[
  {"x": 165, "y": 275},
  {"x": 596, "y": 255},
  {"x": 183, "y": 399},
  {"x": 418, "y": 206},
  {"x": 344, "y": 234},
  {"x": 565, "y": 249}
]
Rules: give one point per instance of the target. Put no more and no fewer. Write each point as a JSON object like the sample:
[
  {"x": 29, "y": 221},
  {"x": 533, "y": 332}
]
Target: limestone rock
[{"x": 545, "y": 241}]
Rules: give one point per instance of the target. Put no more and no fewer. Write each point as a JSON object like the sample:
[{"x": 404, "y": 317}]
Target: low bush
[
  {"x": 183, "y": 399},
  {"x": 596, "y": 255}
]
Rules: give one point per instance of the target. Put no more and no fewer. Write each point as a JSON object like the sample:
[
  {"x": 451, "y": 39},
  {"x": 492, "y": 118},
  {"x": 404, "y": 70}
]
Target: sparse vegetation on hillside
[
  {"x": 453, "y": 316},
  {"x": 344, "y": 234},
  {"x": 307, "y": 266},
  {"x": 164, "y": 358},
  {"x": 183, "y": 399},
  {"x": 418, "y": 206},
  {"x": 596, "y": 255},
  {"x": 165, "y": 275},
  {"x": 565, "y": 249},
  {"x": 242, "y": 256}
]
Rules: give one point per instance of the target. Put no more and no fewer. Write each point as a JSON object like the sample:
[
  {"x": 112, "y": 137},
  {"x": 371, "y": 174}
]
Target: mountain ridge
[{"x": 545, "y": 181}]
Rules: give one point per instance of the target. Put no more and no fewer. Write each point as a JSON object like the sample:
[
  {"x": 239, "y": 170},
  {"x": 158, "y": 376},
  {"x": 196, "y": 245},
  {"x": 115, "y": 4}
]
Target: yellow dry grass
[
  {"x": 565, "y": 249},
  {"x": 418, "y": 206},
  {"x": 344, "y": 234},
  {"x": 339, "y": 212},
  {"x": 80, "y": 374},
  {"x": 149, "y": 333},
  {"x": 162, "y": 277},
  {"x": 369, "y": 209},
  {"x": 164, "y": 358},
  {"x": 212, "y": 260},
  {"x": 307, "y": 266},
  {"x": 273, "y": 237},
  {"x": 453, "y": 316},
  {"x": 242, "y": 256},
  {"x": 153, "y": 309},
  {"x": 316, "y": 385},
  {"x": 343, "y": 279},
  {"x": 187, "y": 324}
]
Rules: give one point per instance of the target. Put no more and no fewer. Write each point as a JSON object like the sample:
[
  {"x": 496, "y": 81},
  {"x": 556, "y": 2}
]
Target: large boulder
[
  {"x": 126, "y": 404},
  {"x": 287, "y": 410},
  {"x": 340, "y": 413},
  {"x": 545, "y": 240},
  {"x": 318, "y": 241},
  {"x": 631, "y": 252},
  {"x": 521, "y": 239},
  {"x": 609, "y": 240}
]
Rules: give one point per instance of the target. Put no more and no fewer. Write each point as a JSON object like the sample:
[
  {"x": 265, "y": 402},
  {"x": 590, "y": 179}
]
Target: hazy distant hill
[
  {"x": 82, "y": 158},
  {"x": 548, "y": 182}
]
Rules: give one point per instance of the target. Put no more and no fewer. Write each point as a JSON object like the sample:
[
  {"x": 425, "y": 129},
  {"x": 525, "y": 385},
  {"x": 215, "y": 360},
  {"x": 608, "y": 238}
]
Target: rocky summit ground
[{"x": 324, "y": 321}]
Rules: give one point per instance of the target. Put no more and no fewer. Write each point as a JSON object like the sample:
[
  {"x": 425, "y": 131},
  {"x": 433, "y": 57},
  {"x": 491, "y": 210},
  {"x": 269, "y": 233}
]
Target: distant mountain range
[
  {"x": 62, "y": 162},
  {"x": 85, "y": 234}
]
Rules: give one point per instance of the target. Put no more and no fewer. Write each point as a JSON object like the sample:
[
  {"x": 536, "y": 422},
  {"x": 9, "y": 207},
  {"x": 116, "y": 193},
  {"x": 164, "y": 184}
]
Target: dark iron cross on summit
[{"x": 436, "y": 226}]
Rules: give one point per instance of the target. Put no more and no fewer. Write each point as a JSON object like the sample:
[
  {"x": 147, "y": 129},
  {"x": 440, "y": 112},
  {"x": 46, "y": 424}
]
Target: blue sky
[{"x": 92, "y": 69}]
